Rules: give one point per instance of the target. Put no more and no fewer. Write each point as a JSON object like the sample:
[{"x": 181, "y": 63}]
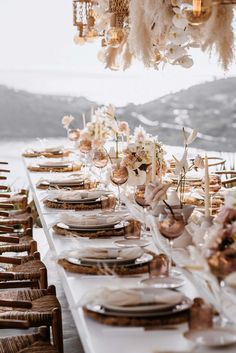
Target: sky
[{"x": 38, "y": 54}]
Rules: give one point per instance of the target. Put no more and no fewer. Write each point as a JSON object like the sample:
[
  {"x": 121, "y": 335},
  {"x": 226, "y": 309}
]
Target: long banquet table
[{"x": 95, "y": 337}]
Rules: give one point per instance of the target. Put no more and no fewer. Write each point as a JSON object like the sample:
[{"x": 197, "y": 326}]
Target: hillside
[{"x": 210, "y": 107}]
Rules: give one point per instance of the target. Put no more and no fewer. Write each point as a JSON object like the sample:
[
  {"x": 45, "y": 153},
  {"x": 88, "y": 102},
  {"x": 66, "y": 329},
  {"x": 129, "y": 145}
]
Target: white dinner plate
[
  {"x": 169, "y": 282},
  {"x": 213, "y": 337},
  {"x": 145, "y": 258},
  {"x": 132, "y": 243},
  {"x": 100, "y": 309},
  {"x": 176, "y": 299}
]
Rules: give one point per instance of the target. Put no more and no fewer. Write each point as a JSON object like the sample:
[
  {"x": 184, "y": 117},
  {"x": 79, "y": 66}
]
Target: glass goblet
[
  {"x": 171, "y": 226},
  {"x": 140, "y": 199},
  {"x": 119, "y": 176},
  {"x": 73, "y": 135},
  {"x": 100, "y": 159},
  {"x": 85, "y": 146}
]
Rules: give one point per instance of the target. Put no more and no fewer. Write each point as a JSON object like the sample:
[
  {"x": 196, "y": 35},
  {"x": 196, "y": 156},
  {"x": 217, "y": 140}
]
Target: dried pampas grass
[{"x": 219, "y": 36}]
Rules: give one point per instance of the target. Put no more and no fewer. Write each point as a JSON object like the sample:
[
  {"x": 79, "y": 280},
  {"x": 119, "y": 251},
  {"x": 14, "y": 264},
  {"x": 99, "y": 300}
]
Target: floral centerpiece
[{"x": 138, "y": 157}]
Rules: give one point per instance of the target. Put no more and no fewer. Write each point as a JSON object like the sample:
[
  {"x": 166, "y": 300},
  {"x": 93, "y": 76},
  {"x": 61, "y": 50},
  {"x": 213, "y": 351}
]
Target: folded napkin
[
  {"x": 46, "y": 149},
  {"x": 230, "y": 280},
  {"x": 106, "y": 253},
  {"x": 65, "y": 195},
  {"x": 63, "y": 180},
  {"x": 54, "y": 163},
  {"x": 130, "y": 297},
  {"x": 156, "y": 192},
  {"x": 90, "y": 220}
]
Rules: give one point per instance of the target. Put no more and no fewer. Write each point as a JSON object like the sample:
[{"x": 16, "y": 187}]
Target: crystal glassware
[
  {"x": 141, "y": 201},
  {"x": 85, "y": 146},
  {"x": 100, "y": 160},
  {"x": 171, "y": 226},
  {"x": 119, "y": 176}
]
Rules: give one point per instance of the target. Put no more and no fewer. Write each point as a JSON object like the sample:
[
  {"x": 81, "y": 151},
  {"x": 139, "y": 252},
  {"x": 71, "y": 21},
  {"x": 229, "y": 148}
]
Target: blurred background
[{"x": 44, "y": 75}]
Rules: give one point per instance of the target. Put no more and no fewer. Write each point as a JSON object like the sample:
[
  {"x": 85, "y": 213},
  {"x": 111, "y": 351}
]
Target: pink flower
[
  {"x": 198, "y": 162},
  {"x": 67, "y": 120},
  {"x": 123, "y": 127}
]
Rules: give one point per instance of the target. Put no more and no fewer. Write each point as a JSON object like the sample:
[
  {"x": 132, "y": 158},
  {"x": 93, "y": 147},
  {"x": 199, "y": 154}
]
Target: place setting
[
  {"x": 80, "y": 200},
  {"x": 47, "y": 152},
  {"x": 106, "y": 261},
  {"x": 137, "y": 306},
  {"x": 96, "y": 225},
  {"x": 58, "y": 166},
  {"x": 76, "y": 181}
]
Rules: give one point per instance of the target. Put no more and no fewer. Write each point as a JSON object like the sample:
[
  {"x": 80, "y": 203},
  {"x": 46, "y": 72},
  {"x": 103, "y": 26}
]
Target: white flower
[
  {"x": 174, "y": 52},
  {"x": 178, "y": 20},
  {"x": 136, "y": 179},
  {"x": 140, "y": 134},
  {"x": 182, "y": 164},
  {"x": 178, "y": 36},
  {"x": 198, "y": 162},
  {"x": 67, "y": 120},
  {"x": 185, "y": 61},
  {"x": 189, "y": 138}
]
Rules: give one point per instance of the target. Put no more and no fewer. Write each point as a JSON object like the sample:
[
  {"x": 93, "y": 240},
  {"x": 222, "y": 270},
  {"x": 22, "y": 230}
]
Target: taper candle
[
  {"x": 154, "y": 161},
  {"x": 207, "y": 193},
  {"x": 84, "y": 120}
]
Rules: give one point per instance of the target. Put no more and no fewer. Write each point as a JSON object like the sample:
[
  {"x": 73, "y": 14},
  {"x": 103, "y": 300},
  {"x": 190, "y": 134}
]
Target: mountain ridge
[{"x": 210, "y": 107}]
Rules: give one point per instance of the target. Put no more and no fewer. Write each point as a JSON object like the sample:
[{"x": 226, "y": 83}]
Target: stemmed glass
[
  {"x": 100, "y": 160},
  {"x": 119, "y": 176},
  {"x": 73, "y": 135},
  {"x": 214, "y": 186},
  {"x": 85, "y": 146},
  {"x": 140, "y": 199}
]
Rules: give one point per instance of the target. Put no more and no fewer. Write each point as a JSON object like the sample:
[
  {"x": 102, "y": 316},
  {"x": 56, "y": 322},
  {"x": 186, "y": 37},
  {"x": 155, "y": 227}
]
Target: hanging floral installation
[{"x": 156, "y": 32}]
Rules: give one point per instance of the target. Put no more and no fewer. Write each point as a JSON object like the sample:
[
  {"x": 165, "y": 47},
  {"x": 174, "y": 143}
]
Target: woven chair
[
  {"x": 37, "y": 306},
  {"x": 32, "y": 343},
  {"x": 25, "y": 271},
  {"x": 30, "y": 247},
  {"x": 11, "y": 237},
  {"x": 21, "y": 221},
  {"x": 230, "y": 175},
  {"x": 18, "y": 200}
]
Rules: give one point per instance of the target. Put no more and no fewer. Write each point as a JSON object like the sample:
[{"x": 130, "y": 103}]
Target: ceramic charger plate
[
  {"x": 101, "y": 309},
  {"x": 144, "y": 259},
  {"x": 213, "y": 337},
  {"x": 176, "y": 298}
]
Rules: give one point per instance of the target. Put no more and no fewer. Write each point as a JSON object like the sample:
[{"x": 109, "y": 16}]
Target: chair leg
[
  {"x": 57, "y": 333},
  {"x": 43, "y": 278}
]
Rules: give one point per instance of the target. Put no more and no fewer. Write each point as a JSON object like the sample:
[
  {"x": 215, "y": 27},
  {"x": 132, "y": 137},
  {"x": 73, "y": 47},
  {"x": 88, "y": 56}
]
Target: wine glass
[
  {"x": 73, "y": 134},
  {"x": 141, "y": 201},
  {"x": 85, "y": 146},
  {"x": 100, "y": 160},
  {"x": 171, "y": 226},
  {"x": 215, "y": 185},
  {"x": 119, "y": 176}
]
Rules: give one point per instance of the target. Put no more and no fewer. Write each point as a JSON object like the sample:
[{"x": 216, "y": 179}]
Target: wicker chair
[
  {"x": 230, "y": 175},
  {"x": 19, "y": 200},
  {"x": 11, "y": 237},
  {"x": 26, "y": 271},
  {"x": 31, "y": 343},
  {"x": 29, "y": 247},
  {"x": 37, "y": 306},
  {"x": 22, "y": 221}
]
